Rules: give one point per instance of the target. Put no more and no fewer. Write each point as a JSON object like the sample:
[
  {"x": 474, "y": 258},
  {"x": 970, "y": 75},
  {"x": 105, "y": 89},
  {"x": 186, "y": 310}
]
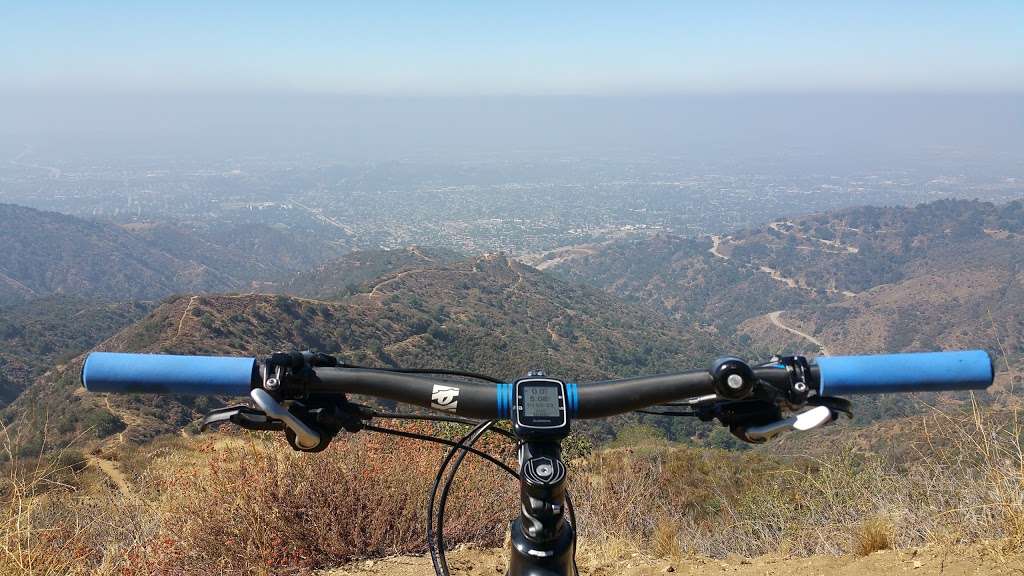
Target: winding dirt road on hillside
[
  {"x": 776, "y": 319},
  {"x": 716, "y": 241}
]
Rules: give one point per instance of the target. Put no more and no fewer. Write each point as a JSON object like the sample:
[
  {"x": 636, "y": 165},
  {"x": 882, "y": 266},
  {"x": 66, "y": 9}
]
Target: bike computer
[{"x": 540, "y": 411}]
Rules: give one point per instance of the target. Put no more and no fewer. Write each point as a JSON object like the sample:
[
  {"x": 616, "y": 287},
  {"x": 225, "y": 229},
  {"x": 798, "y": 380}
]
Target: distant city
[{"x": 483, "y": 206}]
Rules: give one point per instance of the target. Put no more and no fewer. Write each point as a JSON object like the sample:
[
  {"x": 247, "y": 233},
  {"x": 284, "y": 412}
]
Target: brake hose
[
  {"x": 437, "y": 440},
  {"x": 438, "y": 371},
  {"x": 433, "y": 418},
  {"x": 441, "y": 568},
  {"x": 444, "y": 494},
  {"x": 463, "y": 446},
  {"x": 572, "y": 521}
]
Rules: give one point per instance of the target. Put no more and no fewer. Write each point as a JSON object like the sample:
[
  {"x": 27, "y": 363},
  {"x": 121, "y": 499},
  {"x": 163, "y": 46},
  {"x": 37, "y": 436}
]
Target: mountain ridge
[
  {"x": 487, "y": 314},
  {"x": 52, "y": 253}
]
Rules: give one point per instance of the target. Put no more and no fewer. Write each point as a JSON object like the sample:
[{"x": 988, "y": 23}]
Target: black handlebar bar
[
  {"x": 205, "y": 375},
  {"x": 480, "y": 400}
]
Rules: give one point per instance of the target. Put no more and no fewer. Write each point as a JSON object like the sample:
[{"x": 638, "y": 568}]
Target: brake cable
[
  {"x": 572, "y": 522},
  {"x": 438, "y": 371},
  {"x": 437, "y": 552},
  {"x": 433, "y": 418},
  {"x": 466, "y": 446},
  {"x": 436, "y": 440},
  {"x": 435, "y": 540},
  {"x": 658, "y": 413}
]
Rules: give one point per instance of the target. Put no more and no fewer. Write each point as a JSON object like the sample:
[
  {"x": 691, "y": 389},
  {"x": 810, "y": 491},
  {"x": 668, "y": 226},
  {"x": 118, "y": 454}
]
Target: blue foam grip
[
  {"x": 914, "y": 372},
  {"x": 166, "y": 374}
]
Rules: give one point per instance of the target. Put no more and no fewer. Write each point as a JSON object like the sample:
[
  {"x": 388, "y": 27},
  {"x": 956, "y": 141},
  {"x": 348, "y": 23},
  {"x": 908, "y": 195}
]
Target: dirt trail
[
  {"x": 778, "y": 277},
  {"x": 934, "y": 561},
  {"x": 375, "y": 291},
  {"x": 416, "y": 250},
  {"x": 17, "y": 285},
  {"x": 192, "y": 301},
  {"x": 557, "y": 256},
  {"x": 777, "y": 321},
  {"x": 840, "y": 248},
  {"x": 184, "y": 314},
  {"x": 113, "y": 471},
  {"x": 109, "y": 467},
  {"x": 716, "y": 241}
]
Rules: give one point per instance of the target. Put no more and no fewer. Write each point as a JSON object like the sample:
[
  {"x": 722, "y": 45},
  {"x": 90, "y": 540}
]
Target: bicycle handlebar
[{"x": 232, "y": 376}]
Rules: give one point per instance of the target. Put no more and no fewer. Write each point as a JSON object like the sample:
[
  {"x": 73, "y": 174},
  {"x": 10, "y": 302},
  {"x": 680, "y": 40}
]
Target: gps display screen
[{"x": 540, "y": 402}]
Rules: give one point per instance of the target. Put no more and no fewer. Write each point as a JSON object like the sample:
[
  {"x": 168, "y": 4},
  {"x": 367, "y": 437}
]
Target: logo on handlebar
[{"x": 444, "y": 398}]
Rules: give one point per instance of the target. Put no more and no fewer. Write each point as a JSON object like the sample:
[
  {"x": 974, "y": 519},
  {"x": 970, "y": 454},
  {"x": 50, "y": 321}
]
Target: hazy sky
[{"x": 515, "y": 47}]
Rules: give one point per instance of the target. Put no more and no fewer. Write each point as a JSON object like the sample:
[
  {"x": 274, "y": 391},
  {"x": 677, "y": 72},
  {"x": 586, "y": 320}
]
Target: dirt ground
[{"x": 974, "y": 561}]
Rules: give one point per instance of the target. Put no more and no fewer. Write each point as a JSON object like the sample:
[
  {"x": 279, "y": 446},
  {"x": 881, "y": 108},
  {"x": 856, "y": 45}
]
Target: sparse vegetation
[{"x": 245, "y": 504}]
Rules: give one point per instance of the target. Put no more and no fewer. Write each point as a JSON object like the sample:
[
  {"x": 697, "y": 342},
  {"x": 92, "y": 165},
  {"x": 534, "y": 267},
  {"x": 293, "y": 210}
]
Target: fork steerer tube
[{"x": 542, "y": 541}]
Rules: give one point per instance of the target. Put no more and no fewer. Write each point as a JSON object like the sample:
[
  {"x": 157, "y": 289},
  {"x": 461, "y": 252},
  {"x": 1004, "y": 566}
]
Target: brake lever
[
  {"x": 807, "y": 420},
  {"x": 242, "y": 416},
  {"x": 306, "y": 438}
]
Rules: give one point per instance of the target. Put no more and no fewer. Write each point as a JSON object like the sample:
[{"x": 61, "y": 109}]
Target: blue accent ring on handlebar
[
  {"x": 504, "y": 397},
  {"x": 912, "y": 372},
  {"x": 121, "y": 373}
]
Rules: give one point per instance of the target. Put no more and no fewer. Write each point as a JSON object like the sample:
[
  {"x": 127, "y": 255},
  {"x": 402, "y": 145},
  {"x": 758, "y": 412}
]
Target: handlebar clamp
[{"x": 799, "y": 374}]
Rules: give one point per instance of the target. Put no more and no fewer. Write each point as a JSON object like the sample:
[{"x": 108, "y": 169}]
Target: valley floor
[{"x": 932, "y": 561}]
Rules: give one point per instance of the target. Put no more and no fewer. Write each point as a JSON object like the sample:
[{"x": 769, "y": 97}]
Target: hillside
[
  {"x": 487, "y": 314},
  {"x": 854, "y": 250},
  {"x": 970, "y": 297},
  {"x": 945, "y": 275},
  {"x": 244, "y": 252},
  {"x": 47, "y": 253},
  {"x": 683, "y": 277},
  {"x": 42, "y": 333},
  {"x": 897, "y": 494},
  {"x": 344, "y": 276},
  {"x": 939, "y": 275}
]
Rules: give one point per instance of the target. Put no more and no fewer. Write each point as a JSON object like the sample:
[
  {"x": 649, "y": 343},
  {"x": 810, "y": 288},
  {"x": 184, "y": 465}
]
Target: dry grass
[
  {"x": 254, "y": 506},
  {"x": 246, "y": 504},
  {"x": 665, "y": 540},
  {"x": 873, "y": 535},
  {"x": 50, "y": 524},
  {"x": 959, "y": 480}
]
